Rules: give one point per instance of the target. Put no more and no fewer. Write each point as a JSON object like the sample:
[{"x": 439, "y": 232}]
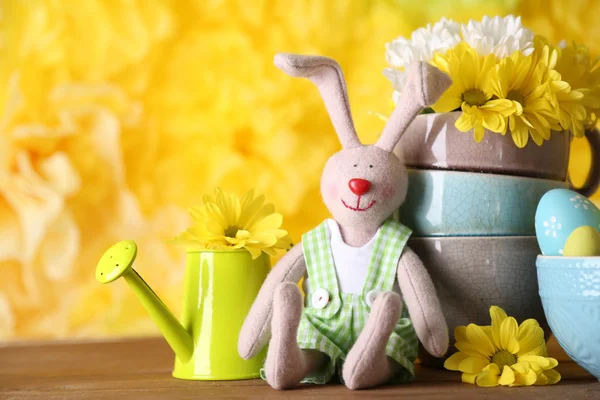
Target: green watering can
[{"x": 219, "y": 288}]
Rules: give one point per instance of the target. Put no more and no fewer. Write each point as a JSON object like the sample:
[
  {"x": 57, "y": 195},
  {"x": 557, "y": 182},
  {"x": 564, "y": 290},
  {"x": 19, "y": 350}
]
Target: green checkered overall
[{"x": 333, "y": 329}]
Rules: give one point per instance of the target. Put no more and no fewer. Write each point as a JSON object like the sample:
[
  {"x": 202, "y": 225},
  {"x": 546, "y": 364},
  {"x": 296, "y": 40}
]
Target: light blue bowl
[
  {"x": 452, "y": 203},
  {"x": 570, "y": 292}
]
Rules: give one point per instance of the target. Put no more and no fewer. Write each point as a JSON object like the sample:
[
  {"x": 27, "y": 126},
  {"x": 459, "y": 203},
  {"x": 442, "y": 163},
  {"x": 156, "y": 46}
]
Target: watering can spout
[{"x": 117, "y": 262}]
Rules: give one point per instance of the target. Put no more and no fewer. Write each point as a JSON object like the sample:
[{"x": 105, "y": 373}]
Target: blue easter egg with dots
[{"x": 560, "y": 212}]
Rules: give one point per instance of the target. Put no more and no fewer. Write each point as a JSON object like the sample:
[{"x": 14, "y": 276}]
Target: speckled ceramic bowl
[
  {"x": 451, "y": 203},
  {"x": 471, "y": 274},
  {"x": 570, "y": 292},
  {"x": 432, "y": 141}
]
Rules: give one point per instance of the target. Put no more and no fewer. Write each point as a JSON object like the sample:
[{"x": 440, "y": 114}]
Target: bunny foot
[
  {"x": 286, "y": 363},
  {"x": 367, "y": 364}
]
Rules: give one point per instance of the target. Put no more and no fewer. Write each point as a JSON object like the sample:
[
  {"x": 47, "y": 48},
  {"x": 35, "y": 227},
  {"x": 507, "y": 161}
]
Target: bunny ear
[
  {"x": 327, "y": 75},
  {"x": 424, "y": 86}
]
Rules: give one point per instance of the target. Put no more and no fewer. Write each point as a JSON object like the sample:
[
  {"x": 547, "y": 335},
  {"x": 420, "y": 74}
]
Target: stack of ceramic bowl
[{"x": 471, "y": 207}]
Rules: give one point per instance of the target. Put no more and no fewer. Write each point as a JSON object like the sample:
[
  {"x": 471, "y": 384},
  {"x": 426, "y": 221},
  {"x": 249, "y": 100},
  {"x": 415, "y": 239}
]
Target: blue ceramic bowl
[
  {"x": 570, "y": 292},
  {"x": 452, "y": 203}
]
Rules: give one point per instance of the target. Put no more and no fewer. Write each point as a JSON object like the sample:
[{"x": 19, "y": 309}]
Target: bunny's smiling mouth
[{"x": 357, "y": 208}]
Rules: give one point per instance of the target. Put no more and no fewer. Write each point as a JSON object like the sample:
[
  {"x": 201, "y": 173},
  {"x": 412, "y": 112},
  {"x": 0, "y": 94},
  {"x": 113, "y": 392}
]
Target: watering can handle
[{"x": 593, "y": 180}]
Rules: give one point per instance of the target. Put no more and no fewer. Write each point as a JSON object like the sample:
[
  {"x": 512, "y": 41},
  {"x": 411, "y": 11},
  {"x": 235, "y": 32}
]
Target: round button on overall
[
  {"x": 320, "y": 298},
  {"x": 371, "y": 296}
]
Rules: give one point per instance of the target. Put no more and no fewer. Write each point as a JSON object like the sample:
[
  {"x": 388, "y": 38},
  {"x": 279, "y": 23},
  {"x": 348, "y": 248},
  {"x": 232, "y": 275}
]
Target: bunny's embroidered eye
[
  {"x": 370, "y": 166},
  {"x": 356, "y": 165}
]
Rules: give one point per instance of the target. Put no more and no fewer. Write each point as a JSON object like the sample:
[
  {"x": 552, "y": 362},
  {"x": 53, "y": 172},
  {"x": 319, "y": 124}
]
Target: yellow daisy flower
[
  {"x": 225, "y": 221},
  {"x": 525, "y": 83},
  {"x": 471, "y": 91},
  {"x": 504, "y": 353}
]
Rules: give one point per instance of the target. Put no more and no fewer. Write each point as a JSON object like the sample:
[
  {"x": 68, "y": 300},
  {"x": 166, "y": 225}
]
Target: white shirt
[{"x": 351, "y": 263}]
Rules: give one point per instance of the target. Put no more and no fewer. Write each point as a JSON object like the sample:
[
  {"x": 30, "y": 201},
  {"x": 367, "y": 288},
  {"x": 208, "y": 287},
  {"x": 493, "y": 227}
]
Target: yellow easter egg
[{"x": 583, "y": 242}]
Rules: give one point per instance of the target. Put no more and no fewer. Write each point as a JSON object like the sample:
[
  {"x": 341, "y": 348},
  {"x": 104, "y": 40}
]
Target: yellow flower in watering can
[
  {"x": 228, "y": 251},
  {"x": 224, "y": 221}
]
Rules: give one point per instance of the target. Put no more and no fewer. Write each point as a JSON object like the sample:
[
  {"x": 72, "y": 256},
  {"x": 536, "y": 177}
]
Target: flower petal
[
  {"x": 251, "y": 211},
  {"x": 254, "y": 252},
  {"x": 454, "y": 361},
  {"x": 541, "y": 350},
  {"x": 553, "y": 362},
  {"x": 543, "y": 362},
  {"x": 478, "y": 338},
  {"x": 553, "y": 376},
  {"x": 520, "y": 134},
  {"x": 243, "y": 234},
  {"x": 473, "y": 365},
  {"x": 541, "y": 380},
  {"x": 478, "y": 131},
  {"x": 508, "y": 335},
  {"x": 460, "y": 333},
  {"x": 471, "y": 350},
  {"x": 469, "y": 378},
  {"x": 214, "y": 213},
  {"x": 272, "y": 221},
  {"x": 508, "y": 376},
  {"x": 524, "y": 375},
  {"x": 464, "y": 123},
  {"x": 498, "y": 316},
  {"x": 489, "y": 376},
  {"x": 530, "y": 378},
  {"x": 530, "y": 336},
  {"x": 265, "y": 239}
]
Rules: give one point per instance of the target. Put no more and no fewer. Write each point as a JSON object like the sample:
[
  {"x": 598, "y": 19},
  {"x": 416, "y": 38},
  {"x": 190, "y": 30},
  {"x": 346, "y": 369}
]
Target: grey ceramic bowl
[
  {"x": 570, "y": 292},
  {"x": 433, "y": 142},
  {"x": 471, "y": 274},
  {"x": 452, "y": 203}
]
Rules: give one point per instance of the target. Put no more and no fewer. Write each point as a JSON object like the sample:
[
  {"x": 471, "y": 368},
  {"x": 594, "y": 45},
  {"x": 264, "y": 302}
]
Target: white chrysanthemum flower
[
  {"x": 422, "y": 45},
  {"x": 500, "y": 36},
  {"x": 424, "y": 42}
]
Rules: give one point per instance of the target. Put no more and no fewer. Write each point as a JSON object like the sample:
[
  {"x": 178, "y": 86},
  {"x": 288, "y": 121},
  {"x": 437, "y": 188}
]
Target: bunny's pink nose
[{"x": 359, "y": 186}]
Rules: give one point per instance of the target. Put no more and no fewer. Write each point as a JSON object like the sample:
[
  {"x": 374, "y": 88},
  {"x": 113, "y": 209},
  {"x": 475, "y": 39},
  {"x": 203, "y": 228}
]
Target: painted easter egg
[
  {"x": 583, "y": 242},
  {"x": 559, "y": 213}
]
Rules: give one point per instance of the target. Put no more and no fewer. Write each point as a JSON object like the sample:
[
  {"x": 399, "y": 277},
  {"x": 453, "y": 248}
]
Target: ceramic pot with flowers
[
  {"x": 227, "y": 262},
  {"x": 433, "y": 141},
  {"x": 486, "y": 152}
]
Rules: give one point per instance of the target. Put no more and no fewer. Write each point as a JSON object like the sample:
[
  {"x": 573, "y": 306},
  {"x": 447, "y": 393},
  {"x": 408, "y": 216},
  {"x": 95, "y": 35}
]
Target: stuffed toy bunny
[{"x": 368, "y": 296}]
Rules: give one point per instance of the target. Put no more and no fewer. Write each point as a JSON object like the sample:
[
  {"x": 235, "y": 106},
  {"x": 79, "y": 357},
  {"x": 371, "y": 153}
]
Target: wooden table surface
[{"x": 140, "y": 369}]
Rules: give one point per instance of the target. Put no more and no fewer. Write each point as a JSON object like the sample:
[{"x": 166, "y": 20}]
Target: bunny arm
[
  {"x": 423, "y": 304},
  {"x": 255, "y": 332}
]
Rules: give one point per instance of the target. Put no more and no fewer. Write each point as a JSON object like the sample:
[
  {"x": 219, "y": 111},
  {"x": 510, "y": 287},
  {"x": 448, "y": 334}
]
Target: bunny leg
[
  {"x": 286, "y": 363},
  {"x": 367, "y": 363}
]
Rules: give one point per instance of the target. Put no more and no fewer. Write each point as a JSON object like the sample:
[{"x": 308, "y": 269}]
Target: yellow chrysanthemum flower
[
  {"x": 576, "y": 66},
  {"x": 471, "y": 91},
  {"x": 504, "y": 353},
  {"x": 225, "y": 221},
  {"x": 568, "y": 102},
  {"x": 524, "y": 82}
]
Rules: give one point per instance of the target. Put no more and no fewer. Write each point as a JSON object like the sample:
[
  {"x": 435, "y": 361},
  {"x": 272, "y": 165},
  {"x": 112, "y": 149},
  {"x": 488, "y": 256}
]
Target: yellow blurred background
[{"x": 118, "y": 115}]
